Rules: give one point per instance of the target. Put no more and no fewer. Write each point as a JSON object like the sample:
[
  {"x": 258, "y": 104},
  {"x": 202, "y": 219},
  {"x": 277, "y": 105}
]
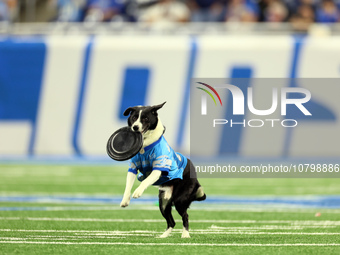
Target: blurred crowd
[
  {"x": 8, "y": 10},
  {"x": 299, "y": 12}
]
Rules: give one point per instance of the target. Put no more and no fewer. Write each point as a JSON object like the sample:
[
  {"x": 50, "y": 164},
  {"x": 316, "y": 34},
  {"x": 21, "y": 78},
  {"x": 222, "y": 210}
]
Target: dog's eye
[
  {"x": 146, "y": 119},
  {"x": 134, "y": 118}
]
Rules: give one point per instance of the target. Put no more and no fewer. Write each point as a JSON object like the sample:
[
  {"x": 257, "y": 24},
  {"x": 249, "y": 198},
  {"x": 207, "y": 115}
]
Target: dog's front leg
[
  {"x": 151, "y": 179},
  {"x": 130, "y": 179}
]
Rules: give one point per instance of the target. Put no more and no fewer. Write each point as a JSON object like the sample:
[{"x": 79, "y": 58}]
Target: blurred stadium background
[{"x": 68, "y": 69}]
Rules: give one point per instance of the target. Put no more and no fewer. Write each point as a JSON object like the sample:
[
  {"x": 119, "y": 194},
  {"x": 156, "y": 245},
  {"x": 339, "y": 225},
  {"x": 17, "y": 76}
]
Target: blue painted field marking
[
  {"x": 298, "y": 42},
  {"x": 82, "y": 89},
  {"x": 318, "y": 110},
  {"x": 135, "y": 86},
  {"x": 186, "y": 96},
  {"x": 231, "y": 137},
  {"x": 331, "y": 202},
  {"x": 22, "y": 68}
]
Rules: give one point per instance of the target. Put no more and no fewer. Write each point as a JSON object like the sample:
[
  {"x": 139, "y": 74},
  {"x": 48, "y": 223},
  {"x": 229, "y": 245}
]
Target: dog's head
[{"x": 143, "y": 118}]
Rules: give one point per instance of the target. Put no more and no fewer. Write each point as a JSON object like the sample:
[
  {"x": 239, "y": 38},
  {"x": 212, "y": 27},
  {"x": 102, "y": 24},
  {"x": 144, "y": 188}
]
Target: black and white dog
[{"x": 178, "y": 191}]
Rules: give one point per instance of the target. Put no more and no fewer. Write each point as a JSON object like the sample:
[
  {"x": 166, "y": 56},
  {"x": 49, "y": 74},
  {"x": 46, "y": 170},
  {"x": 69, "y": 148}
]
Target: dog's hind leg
[
  {"x": 165, "y": 208},
  {"x": 182, "y": 210},
  {"x": 200, "y": 195}
]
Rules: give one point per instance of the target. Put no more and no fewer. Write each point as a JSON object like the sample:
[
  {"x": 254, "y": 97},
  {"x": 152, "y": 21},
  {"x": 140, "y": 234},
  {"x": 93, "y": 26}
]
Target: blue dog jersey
[{"x": 159, "y": 156}]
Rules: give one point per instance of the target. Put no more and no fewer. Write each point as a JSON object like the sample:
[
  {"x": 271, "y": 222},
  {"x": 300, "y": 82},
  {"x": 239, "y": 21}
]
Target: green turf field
[{"x": 50, "y": 226}]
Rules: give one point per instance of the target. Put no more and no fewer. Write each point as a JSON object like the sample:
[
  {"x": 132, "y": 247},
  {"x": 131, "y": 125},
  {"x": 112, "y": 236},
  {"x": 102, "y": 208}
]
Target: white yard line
[
  {"x": 74, "y": 231},
  {"x": 60, "y": 238},
  {"x": 248, "y": 208},
  {"x": 81, "y": 207},
  {"x": 142, "y": 232},
  {"x": 171, "y": 244},
  {"x": 294, "y": 222},
  {"x": 210, "y": 208}
]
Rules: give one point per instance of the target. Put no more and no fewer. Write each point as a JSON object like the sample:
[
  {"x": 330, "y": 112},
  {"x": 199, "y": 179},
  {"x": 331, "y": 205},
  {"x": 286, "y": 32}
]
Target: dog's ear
[
  {"x": 129, "y": 110},
  {"x": 155, "y": 108}
]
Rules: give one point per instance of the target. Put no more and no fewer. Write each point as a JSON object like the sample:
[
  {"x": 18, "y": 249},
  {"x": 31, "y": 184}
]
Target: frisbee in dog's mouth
[{"x": 124, "y": 144}]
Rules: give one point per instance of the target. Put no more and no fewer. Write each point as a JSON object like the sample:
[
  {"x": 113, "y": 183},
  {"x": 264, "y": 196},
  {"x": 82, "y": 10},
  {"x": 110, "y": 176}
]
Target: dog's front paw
[
  {"x": 185, "y": 233},
  {"x": 138, "y": 192},
  {"x": 166, "y": 233},
  {"x": 125, "y": 202}
]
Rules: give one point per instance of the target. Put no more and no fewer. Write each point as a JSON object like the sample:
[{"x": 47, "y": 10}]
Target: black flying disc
[{"x": 124, "y": 144}]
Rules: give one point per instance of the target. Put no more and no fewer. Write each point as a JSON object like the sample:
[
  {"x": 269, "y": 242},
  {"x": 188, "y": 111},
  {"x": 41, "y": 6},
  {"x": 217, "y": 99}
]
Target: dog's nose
[{"x": 135, "y": 128}]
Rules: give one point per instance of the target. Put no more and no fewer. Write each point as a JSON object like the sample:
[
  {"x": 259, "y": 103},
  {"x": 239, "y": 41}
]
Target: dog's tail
[{"x": 200, "y": 195}]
